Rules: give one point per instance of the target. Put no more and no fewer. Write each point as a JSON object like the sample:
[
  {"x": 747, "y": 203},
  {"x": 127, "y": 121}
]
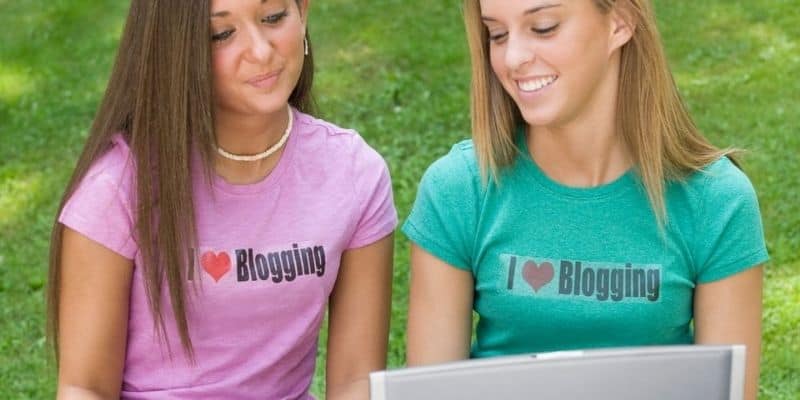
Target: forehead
[
  {"x": 225, "y": 7},
  {"x": 496, "y": 9}
]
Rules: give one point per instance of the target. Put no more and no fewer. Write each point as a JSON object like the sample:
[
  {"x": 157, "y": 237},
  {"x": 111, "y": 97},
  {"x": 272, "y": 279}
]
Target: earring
[{"x": 305, "y": 46}]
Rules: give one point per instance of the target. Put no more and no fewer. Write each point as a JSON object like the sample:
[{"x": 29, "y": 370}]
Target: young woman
[
  {"x": 210, "y": 220},
  {"x": 588, "y": 210}
]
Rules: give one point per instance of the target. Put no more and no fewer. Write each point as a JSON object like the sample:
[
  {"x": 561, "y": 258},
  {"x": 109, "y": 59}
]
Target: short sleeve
[
  {"x": 100, "y": 208},
  {"x": 444, "y": 217},
  {"x": 730, "y": 235},
  {"x": 373, "y": 189}
]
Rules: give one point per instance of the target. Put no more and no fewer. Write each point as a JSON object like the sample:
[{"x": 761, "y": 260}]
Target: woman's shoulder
[
  {"x": 721, "y": 179},
  {"x": 456, "y": 169},
  {"x": 115, "y": 166},
  {"x": 725, "y": 231},
  {"x": 101, "y": 207},
  {"x": 720, "y": 188},
  {"x": 331, "y": 142}
]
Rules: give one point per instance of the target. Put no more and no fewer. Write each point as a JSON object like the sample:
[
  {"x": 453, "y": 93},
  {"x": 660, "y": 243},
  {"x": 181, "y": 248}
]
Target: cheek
[
  {"x": 591, "y": 46},
  {"x": 222, "y": 68},
  {"x": 576, "y": 57},
  {"x": 589, "y": 62},
  {"x": 289, "y": 42},
  {"x": 495, "y": 60},
  {"x": 497, "y": 63}
]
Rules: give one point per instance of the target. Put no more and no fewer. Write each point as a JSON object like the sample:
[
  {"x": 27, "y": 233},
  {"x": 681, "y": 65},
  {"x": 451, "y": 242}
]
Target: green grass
[{"x": 398, "y": 72}]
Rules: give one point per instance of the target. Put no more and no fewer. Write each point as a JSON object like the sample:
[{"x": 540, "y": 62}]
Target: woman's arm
[
  {"x": 728, "y": 311},
  {"x": 358, "y": 319},
  {"x": 93, "y": 318},
  {"x": 439, "y": 310}
]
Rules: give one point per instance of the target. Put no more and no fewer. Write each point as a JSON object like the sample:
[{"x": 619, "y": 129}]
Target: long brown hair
[
  {"x": 651, "y": 117},
  {"x": 159, "y": 97}
]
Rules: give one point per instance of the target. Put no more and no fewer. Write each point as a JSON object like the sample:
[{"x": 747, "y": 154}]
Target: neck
[
  {"x": 246, "y": 135},
  {"x": 587, "y": 150},
  {"x": 579, "y": 157},
  {"x": 249, "y": 134}
]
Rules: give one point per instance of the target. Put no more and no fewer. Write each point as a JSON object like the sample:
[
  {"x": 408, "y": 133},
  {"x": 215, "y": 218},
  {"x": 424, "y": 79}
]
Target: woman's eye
[
  {"x": 497, "y": 36},
  {"x": 544, "y": 31},
  {"x": 219, "y": 37},
  {"x": 275, "y": 18}
]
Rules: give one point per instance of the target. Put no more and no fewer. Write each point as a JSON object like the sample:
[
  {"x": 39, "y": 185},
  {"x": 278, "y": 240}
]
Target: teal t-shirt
[{"x": 559, "y": 267}]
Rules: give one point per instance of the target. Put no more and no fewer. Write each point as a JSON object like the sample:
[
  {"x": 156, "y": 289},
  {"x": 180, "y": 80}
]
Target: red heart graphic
[
  {"x": 216, "y": 265},
  {"x": 537, "y": 276}
]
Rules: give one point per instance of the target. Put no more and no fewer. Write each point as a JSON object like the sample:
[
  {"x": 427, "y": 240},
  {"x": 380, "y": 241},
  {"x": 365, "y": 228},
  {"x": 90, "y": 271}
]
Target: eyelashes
[
  {"x": 272, "y": 19},
  {"x": 539, "y": 31},
  {"x": 219, "y": 37},
  {"x": 545, "y": 31},
  {"x": 275, "y": 18}
]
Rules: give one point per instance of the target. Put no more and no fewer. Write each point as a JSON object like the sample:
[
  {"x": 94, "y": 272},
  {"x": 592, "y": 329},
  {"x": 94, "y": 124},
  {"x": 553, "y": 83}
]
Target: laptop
[{"x": 691, "y": 372}]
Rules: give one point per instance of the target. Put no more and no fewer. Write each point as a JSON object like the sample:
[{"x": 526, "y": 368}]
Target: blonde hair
[{"x": 654, "y": 123}]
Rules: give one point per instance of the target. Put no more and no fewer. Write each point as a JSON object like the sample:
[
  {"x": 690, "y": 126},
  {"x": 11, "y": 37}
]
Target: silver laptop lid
[{"x": 668, "y": 372}]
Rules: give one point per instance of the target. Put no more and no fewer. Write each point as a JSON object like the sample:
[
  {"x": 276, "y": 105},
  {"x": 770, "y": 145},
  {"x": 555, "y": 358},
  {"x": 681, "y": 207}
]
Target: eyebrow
[
  {"x": 226, "y": 13},
  {"x": 527, "y": 12}
]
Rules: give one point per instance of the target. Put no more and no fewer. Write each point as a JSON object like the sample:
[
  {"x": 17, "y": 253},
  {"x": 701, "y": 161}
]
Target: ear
[
  {"x": 622, "y": 26},
  {"x": 303, "y": 5}
]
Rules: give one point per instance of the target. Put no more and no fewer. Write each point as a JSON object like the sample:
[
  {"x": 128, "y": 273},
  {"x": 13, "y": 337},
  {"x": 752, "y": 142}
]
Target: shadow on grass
[{"x": 61, "y": 51}]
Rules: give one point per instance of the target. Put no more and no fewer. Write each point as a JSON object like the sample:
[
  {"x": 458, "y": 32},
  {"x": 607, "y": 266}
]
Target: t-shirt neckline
[
  {"x": 273, "y": 178},
  {"x": 616, "y": 187}
]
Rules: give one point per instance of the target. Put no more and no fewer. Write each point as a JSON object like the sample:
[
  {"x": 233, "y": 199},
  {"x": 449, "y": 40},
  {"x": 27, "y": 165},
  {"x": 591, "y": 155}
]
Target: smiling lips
[
  {"x": 265, "y": 80},
  {"x": 536, "y": 84}
]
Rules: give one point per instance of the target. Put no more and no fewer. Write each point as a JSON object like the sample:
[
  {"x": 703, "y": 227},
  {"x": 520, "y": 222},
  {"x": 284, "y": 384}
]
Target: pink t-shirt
[{"x": 267, "y": 261}]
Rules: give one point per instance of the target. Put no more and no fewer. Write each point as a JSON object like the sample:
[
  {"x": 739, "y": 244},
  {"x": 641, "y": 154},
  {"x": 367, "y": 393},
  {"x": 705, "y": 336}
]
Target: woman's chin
[{"x": 539, "y": 117}]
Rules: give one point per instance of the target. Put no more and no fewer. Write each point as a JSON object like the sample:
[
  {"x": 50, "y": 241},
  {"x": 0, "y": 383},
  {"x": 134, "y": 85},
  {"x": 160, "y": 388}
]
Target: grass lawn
[{"x": 399, "y": 74}]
